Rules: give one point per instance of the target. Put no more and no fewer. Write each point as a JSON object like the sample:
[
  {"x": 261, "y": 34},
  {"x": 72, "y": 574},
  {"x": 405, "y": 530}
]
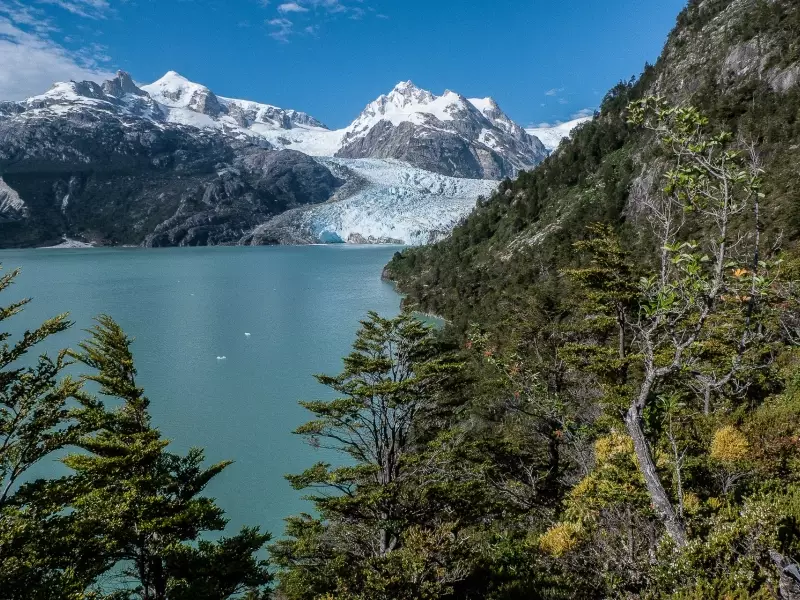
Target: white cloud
[
  {"x": 554, "y": 92},
  {"x": 307, "y": 15},
  {"x": 292, "y": 7},
  {"x": 91, "y": 9},
  {"x": 281, "y": 29},
  {"x": 30, "y": 63},
  {"x": 331, "y": 6},
  {"x": 26, "y": 16},
  {"x": 583, "y": 113}
]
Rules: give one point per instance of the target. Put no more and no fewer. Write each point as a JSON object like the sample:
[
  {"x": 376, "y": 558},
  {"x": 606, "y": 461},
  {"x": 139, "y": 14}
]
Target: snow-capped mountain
[
  {"x": 104, "y": 163},
  {"x": 552, "y": 136},
  {"x": 447, "y": 134},
  {"x": 172, "y": 163},
  {"x": 190, "y": 103}
]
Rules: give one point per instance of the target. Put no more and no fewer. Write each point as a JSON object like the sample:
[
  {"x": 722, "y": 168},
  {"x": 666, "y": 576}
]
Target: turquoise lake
[{"x": 186, "y": 307}]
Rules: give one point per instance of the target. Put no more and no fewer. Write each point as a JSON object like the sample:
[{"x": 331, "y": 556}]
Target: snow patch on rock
[
  {"x": 11, "y": 205},
  {"x": 68, "y": 244}
]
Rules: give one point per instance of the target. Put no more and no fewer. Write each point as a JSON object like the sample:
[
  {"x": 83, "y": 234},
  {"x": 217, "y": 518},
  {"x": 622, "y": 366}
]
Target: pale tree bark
[{"x": 671, "y": 328}]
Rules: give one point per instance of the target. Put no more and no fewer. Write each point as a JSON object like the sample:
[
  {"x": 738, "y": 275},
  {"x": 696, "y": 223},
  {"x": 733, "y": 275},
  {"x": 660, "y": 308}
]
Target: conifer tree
[
  {"x": 42, "y": 410},
  {"x": 389, "y": 406},
  {"x": 145, "y": 502}
]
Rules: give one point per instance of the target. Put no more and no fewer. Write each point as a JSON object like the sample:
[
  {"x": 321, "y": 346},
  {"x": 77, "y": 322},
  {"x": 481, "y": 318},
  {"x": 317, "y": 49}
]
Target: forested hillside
[
  {"x": 628, "y": 318},
  {"x": 613, "y": 410},
  {"x": 738, "y": 62}
]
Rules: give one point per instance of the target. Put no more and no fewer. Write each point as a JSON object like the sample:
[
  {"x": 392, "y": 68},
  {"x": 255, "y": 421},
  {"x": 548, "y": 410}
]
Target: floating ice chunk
[
  {"x": 222, "y": 358},
  {"x": 246, "y": 335}
]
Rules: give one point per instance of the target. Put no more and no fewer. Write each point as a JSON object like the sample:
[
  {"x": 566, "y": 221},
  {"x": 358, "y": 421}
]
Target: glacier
[{"x": 393, "y": 203}]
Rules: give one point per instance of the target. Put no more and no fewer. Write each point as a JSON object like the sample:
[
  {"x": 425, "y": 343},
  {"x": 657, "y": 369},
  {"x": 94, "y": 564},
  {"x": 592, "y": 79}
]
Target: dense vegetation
[
  {"x": 613, "y": 410},
  {"x": 513, "y": 248},
  {"x": 127, "y": 522}
]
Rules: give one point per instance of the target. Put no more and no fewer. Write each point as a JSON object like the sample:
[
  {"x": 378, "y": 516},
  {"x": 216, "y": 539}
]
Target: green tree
[
  {"x": 392, "y": 394},
  {"x": 42, "y": 411},
  {"x": 145, "y": 502}
]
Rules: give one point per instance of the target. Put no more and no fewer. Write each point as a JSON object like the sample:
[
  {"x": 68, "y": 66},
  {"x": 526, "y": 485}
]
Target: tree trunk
[
  {"x": 387, "y": 541},
  {"x": 159, "y": 579},
  {"x": 661, "y": 502},
  {"x": 789, "y": 573}
]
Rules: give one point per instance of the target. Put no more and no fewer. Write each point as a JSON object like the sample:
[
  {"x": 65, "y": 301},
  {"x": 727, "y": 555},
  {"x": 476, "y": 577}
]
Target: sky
[{"x": 544, "y": 61}]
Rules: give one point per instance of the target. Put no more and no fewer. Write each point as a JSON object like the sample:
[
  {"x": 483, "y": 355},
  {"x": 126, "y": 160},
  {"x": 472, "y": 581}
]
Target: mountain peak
[
  {"x": 405, "y": 86},
  {"x": 173, "y": 82},
  {"x": 121, "y": 85},
  {"x": 173, "y": 76},
  {"x": 175, "y": 91},
  {"x": 485, "y": 104},
  {"x": 406, "y": 92}
]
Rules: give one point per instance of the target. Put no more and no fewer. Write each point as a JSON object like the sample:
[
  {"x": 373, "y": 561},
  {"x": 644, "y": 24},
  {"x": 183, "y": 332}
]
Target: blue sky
[{"x": 542, "y": 60}]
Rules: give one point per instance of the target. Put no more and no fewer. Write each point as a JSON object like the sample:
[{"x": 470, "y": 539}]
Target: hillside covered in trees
[
  {"x": 612, "y": 411},
  {"x": 737, "y": 61}
]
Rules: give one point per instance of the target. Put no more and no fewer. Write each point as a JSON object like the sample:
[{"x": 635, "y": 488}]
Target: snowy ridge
[
  {"x": 551, "y": 136},
  {"x": 407, "y": 103},
  {"x": 187, "y": 103}
]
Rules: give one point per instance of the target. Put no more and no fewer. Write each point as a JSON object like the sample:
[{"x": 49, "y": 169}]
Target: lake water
[{"x": 186, "y": 307}]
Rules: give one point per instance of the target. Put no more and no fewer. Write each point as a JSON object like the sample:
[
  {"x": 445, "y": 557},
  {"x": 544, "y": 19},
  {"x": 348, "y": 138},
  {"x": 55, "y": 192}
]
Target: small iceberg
[
  {"x": 222, "y": 358},
  {"x": 246, "y": 335}
]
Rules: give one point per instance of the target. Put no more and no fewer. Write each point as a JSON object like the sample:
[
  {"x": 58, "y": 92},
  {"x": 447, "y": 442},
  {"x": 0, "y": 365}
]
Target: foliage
[
  {"x": 42, "y": 411},
  {"x": 147, "y": 501},
  {"x": 673, "y": 345},
  {"x": 128, "y": 507},
  {"x": 729, "y": 445},
  {"x": 613, "y": 412}
]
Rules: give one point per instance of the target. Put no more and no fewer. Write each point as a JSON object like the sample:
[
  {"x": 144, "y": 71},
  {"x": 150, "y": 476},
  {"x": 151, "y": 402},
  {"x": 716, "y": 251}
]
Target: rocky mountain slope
[
  {"x": 172, "y": 163},
  {"x": 738, "y": 61},
  {"x": 101, "y": 163},
  {"x": 447, "y": 134}
]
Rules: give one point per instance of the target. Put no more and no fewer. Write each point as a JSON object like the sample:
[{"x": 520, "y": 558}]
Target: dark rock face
[
  {"x": 121, "y": 85},
  {"x": 446, "y": 153},
  {"x": 97, "y": 171},
  {"x": 261, "y": 184}
]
